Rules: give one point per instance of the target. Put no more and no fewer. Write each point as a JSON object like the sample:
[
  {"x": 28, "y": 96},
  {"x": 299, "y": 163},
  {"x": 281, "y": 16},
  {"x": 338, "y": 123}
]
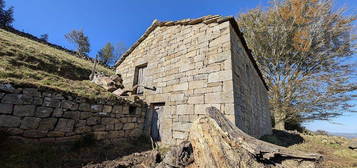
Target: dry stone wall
[{"x": 30, "y": 114}]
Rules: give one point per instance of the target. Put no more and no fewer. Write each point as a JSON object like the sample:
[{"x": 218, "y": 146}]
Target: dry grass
[
  {"x": 334, "y": 149},
  {"x": 26, "y": 62}
]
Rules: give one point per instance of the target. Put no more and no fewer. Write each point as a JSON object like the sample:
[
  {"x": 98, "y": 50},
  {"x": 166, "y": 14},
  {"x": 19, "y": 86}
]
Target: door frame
[{"x": 152, "y": 111}]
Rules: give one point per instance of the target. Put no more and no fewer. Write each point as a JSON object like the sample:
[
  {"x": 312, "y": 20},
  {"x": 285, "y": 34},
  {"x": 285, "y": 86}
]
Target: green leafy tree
[
  {"x": 109, "y": 54},
  {"x": 303, "y": 48},
  {"x": 6, "y": 16},
  {"x": 106, "y": 53},
  {"x": 81, "y": 41}
]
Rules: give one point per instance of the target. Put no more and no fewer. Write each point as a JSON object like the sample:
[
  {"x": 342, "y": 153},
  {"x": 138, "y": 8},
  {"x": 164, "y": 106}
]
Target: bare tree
[
  {"x": 81, "y": 41},
  {"x": 303, "y": 49}
]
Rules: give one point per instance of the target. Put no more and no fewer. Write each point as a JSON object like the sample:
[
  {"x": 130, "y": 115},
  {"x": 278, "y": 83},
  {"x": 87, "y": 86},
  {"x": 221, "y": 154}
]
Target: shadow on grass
[{"x": 283, "y": 138}]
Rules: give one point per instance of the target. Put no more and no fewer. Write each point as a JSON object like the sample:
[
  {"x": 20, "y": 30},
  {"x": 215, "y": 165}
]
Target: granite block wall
[
  {"x": 194, "y": 66},
  {"x": 190, "y": 65},
  {"x": 251, "y": 103},
  {"x": 30, "y": 114}
]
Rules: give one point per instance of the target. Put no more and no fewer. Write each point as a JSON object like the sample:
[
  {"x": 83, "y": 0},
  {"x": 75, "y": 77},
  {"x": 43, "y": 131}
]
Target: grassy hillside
[
  {"x": 333, "y": 148},
  {"x": 26, "y": 62}
]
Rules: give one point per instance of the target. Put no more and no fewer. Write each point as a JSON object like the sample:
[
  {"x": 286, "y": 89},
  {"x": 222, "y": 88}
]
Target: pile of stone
[
  {"x": 113, "y": 84},
  {"x": 110, "y": 83}
]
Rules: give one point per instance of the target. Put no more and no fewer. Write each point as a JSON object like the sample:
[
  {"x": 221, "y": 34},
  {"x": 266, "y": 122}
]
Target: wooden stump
[{"x": 218, "y": 143}]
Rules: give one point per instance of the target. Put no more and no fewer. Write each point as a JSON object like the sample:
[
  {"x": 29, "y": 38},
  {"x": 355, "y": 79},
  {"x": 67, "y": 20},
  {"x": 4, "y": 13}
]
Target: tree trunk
[
  {"x": 279, "y": 119},
  {"x": 278, "y": 106},
  {"x": 218, "y": 143},
  {"x": 279, "y": 125},
  {"x": 93, "y": 69}
]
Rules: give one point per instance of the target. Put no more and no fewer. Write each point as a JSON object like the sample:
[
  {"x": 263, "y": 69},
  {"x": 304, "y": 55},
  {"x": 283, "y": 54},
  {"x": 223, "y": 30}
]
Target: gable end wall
[{"x": 251, "y": 104}]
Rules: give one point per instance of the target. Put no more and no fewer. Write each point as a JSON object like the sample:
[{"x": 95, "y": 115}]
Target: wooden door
[
  {"x": 141, "y": 76},
  {"x": 156, "y": 130}
]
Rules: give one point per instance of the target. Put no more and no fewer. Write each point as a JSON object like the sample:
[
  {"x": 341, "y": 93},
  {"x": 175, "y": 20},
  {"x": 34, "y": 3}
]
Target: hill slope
[
  {"x": 333, "y": 148},
  {"x": 25, "y": 62}
]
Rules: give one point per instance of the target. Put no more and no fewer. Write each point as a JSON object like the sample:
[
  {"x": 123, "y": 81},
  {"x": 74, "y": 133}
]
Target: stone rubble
[{"x": 111, "y": 83}]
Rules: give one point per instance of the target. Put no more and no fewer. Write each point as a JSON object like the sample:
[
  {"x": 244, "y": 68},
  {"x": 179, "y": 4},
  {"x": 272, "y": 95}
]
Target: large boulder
[{"x": 353, "y": 144}]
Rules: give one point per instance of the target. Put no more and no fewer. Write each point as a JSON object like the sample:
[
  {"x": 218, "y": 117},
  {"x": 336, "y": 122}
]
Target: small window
[{"x": 139, "y": 78}]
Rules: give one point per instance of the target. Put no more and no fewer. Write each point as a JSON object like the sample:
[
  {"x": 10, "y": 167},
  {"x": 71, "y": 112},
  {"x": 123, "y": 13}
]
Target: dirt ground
[{"x": 137, "y": 153}]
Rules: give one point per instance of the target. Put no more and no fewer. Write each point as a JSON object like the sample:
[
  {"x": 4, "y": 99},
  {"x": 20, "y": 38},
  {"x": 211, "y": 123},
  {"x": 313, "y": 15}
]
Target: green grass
[{"x": 25, "y": 62}]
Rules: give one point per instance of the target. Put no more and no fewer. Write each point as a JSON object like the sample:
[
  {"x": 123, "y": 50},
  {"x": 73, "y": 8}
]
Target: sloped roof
[{"x": 206, "y": 20}]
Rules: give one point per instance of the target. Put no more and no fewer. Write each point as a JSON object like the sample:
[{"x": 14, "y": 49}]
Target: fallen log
[{"x": 218, "y": 143}]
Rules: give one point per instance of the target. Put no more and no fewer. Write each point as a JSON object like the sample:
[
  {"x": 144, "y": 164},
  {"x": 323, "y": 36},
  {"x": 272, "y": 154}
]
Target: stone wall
[
  {"x": 190, "y": 65},
  {"x": 194, "y": 65},
  {"x": 251, "y": 103},
  {"x": 30, "y": 114}
]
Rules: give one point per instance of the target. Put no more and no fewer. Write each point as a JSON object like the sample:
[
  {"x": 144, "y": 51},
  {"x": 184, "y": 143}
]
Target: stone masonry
[
  {"x": 250, "y": 94},
  {"x": 194, "y": 64},
  {"x": 30, "y": 114}
]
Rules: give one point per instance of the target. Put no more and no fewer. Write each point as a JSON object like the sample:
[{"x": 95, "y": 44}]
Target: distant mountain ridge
[{"x": 347, "y": 135}]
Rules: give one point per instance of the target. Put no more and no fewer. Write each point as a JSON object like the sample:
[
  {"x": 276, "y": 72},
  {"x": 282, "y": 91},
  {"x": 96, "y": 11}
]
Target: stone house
[{"x": 182, "y": 67}]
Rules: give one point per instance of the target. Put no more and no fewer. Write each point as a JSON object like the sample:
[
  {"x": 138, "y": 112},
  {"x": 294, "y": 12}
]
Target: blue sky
[{"x": 125, "y": 20}]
